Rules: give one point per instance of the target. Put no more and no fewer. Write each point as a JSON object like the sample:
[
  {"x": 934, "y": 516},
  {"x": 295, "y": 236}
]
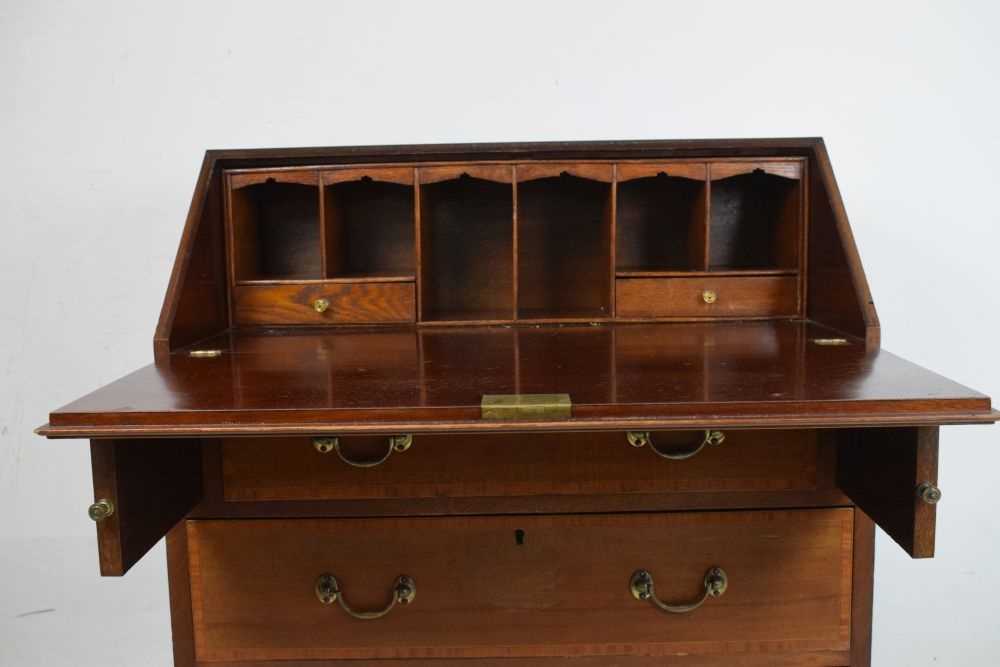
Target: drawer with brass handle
[
  {"x": 710, "y": 584},
  {"x": 331, "y": 467}
]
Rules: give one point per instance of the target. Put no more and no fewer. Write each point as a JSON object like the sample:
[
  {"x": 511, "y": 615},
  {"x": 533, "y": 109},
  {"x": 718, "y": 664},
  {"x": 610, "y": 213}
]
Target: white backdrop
[{"x": 107, "y": 107}]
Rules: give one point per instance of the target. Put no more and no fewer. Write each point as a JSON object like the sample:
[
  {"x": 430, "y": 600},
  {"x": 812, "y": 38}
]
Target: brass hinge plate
[
  {"x": 204, "y": 354},
  {"x": 831, "y": 342},
  {"x": 526, "y": 407}
]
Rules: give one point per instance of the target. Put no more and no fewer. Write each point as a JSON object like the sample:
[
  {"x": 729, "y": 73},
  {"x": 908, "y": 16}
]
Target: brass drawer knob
[
  {"x": 929, "y": 493},
  {"x": 395, "y": 443},
  {"x": 641, "y": 584},
  {"x": 709, "y": 296},
  {"x": 321, "y": 305},
  {"x": 643, "y": 438},
  {"x": 101, "y": 510},
  {"x": 328, "y": 591}
]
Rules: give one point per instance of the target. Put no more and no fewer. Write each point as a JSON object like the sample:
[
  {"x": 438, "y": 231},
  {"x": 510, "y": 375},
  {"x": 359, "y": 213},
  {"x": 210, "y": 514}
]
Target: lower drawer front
[
  {"x": 526, "y": 464},
  {"x": 494, "y": 587}
]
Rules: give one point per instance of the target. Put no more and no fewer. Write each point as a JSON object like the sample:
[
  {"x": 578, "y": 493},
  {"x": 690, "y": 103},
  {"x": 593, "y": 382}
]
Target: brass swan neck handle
[
  {"x": 328, "y": 591},
  {"x": 641, "y": 584},
  {"x": 394, "y": 443},
  {"x": 643, "y": 438}
]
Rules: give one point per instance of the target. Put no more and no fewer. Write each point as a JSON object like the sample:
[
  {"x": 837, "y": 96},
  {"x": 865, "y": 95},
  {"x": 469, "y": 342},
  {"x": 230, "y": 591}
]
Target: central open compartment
[
  {"x": 755, "y": 216},
  {"x": 276, "y": 227},
  {"x": 369, "y": 224},
  {"x": 564, "y": 245},
  {"x": 467, "y": 246},
  {"x": 661, "y": 221}
]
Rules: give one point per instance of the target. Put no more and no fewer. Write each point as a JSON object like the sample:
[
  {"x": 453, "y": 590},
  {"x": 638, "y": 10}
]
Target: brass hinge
[
  {"x": 830, "y": 342},
  {"x": 204, "y": 354},
  {"x": 526, "y": 407}
]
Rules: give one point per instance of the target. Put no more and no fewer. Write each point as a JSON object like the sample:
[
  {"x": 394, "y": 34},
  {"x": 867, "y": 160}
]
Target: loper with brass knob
[
  {"x": 101, "y": 510},
  {"x": 929, "y": 493}
]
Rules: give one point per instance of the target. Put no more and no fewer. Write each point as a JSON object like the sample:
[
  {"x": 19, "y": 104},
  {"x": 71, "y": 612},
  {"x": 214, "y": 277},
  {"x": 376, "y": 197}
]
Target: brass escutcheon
[
  {"x": 328, "y": 591},
  {"x": 641, "y": 584},
  {"x": 709, "y": 296},
  {"x": 321, "y": 305}
]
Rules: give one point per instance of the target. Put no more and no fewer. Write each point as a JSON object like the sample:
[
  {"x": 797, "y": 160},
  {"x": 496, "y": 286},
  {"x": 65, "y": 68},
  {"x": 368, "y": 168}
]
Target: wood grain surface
[
  {"x": 360, "y": 302},
  {"x": 627, "y": 171},
  {"x": 746, "y": 296},
  {"x": 626, "y": 377}
]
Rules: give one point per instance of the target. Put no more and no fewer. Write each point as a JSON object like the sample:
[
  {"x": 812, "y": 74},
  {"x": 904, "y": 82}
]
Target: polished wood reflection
[{"x": 618, "y": 375}]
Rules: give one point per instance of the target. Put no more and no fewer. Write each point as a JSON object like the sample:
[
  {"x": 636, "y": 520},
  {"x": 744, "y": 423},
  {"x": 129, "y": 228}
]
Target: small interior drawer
[
  {"x": 542, "y": 586},
  {"x": 362, "y": 302},
  {"x": 529, "y": 464},
  {"x": 707, "y": 296}
]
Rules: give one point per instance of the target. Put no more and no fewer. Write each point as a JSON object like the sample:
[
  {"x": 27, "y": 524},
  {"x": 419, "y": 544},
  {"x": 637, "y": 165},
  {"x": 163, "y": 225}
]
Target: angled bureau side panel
[
  {"x": 838, "y": 294},
  {"x": 195, "y": 305}
]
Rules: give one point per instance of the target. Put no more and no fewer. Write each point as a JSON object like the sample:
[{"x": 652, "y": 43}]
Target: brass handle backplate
[
  {"x": 396, "y": 443},
  {"x": 643, "y": 438},
  {"x": 101, "y": 510},
  {"x": 641, "y": 584},
  {"x": 321, "y": 305},
  {"x": 328, "y": 591}
]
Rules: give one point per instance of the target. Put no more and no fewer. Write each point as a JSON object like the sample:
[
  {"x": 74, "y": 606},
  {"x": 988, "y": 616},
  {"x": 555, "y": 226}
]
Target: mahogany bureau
[{"x": 614, "y": 403}]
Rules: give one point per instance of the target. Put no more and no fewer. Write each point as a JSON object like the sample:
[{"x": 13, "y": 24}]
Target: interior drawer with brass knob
[
  {"x": 331, "y": 467},
  {"x": 723, "y": 584},
  {"x": 707, "y": 296},
  {"x": 325, "y": 302}
]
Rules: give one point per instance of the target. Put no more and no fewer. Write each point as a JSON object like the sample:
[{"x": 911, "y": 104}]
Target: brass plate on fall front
[{"x": 526, "y": 407}]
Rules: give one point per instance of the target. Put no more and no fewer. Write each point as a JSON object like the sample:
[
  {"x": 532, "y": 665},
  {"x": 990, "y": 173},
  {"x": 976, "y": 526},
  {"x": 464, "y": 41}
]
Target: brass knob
[
  {"x": 929, "y": 493},
  {"x": 709, "y": 296},
  {"x": 321, "y": 305},
  {"x": 101, "y": 510}
]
